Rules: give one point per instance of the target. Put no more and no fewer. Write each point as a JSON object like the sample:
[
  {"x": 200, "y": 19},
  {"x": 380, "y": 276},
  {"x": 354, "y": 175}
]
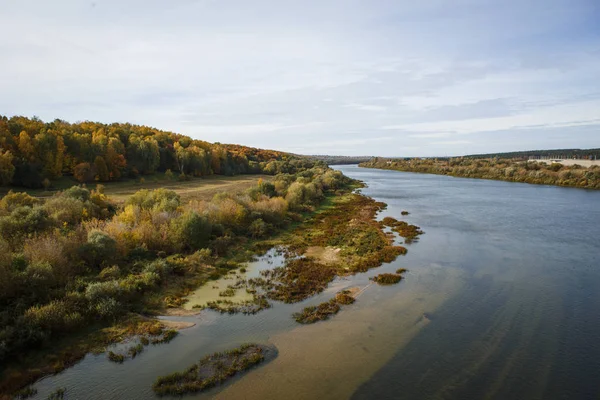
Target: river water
[{"x": 501, "y": 301}]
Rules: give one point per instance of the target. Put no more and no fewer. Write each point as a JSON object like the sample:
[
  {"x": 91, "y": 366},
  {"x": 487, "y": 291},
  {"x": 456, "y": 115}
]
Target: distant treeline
[
  {"x": 33, "y": 153},
  {"x": 589, "y": 154},
  {"x": 505, "y": 169},
  {"x": 341, "y": 160}
]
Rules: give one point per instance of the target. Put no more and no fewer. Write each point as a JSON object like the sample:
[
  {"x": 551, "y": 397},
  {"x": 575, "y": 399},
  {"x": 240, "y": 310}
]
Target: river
[{"x": 501, "y": 301}]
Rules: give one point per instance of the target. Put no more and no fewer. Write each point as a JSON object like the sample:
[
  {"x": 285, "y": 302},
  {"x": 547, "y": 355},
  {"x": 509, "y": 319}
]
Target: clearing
[{"x": 196, "y": 188}]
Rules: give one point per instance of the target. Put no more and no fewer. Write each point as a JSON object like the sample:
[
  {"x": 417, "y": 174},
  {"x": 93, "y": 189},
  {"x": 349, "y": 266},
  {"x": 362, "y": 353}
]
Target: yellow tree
[{"x": 26, "y": 147}]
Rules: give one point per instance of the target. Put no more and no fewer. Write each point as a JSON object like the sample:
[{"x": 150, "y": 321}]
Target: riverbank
[{"x": 497, "y": 169}]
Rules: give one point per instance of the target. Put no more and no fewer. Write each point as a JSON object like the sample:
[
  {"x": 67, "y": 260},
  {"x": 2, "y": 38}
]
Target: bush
[
  {"x": 98, "y": 291},
  {"x": 258, "y": 228},
  {"x": 23, "y": 221},
  {"x": 190, "y": 230},
  {"x": 65, "y": 210},
  {"x": 100, "y": 248},
  {"x": 55, "y": 317},
  {"x": 110, "y": 273},
  {"x": 48, "y": 249},
  {"x": 77, "y": 193},
  {"x": 159, "y": 199},
  {"x": 12, "y": 201}
]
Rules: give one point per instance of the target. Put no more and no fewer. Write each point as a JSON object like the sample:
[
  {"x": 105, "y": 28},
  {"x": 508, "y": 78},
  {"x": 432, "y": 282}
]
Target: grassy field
[{"x": 196, "y": 188}]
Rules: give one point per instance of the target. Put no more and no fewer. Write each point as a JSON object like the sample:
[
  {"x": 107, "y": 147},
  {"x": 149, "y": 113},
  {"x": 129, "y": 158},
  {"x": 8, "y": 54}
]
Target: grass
[
  {"x": 210, "y": 371},
  {"x": 196, "y": 188}
]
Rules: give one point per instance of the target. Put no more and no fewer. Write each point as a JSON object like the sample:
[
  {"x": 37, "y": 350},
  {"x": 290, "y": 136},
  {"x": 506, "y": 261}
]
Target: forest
[
  {"x": 341, "y": 160},
  {"x": 34, "y": 153},
  {"x": 586, "y": 154},
  {"x": 498, "y": 169}
]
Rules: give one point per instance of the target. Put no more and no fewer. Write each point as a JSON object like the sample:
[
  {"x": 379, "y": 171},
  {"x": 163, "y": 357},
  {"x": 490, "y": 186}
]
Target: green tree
[
  {"x": 7, "y": 169},
  {"x": 101, "y": 169}
]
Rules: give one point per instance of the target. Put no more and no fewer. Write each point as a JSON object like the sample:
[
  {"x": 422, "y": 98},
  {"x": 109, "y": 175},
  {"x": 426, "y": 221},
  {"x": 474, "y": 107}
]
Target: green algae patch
[{"x": 213, "y": 370}]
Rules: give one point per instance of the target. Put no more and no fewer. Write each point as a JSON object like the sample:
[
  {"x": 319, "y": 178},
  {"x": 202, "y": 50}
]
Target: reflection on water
[{"x": 500, "y": 301}]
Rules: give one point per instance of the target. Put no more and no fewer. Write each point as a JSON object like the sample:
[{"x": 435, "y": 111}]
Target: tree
[
  {"x": 101, "y": 169},
  {"x": 7, "y": 169},
  {"x": 82, "y": 172},
  {"x": 26, "y": 147}
]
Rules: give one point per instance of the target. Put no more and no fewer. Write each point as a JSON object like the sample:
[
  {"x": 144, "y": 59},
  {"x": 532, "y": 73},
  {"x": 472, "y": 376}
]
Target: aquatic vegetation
[
  {"x": 248, "y": 307},
  {"x": 344, "y": 297},
  {"x": 323, "y": 311},
  {"x": 210, "y": 371},
  {"x": 314, "y": 314},
  {"x": 135, "y": 350},
  {"x": 404, "y": 213},
  {"x": 58, "y": 394},
  {"x": 401, "y": 270},
  {"x": 387, "y": 279},
  {"x": 299, "y": 279},
  {"x": 407, "y": 231},
  {"x": 116, "y": 357},
  {"x": 166, "y": 337}
]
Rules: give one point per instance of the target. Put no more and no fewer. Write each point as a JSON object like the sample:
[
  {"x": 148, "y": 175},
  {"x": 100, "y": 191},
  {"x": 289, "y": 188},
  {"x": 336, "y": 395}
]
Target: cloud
[{"x": 341, "y": 76}]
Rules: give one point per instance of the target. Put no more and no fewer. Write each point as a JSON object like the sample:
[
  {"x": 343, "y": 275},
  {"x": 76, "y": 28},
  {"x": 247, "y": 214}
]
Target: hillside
[{"x": 34, "y": 153}]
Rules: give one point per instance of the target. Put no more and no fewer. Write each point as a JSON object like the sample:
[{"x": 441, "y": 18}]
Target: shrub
[
  {"x": 190, "y": 230},
  {"x": 107, "y": 308},
  {"x": 65, "y": 210},
  {"x": 23, "y": 221},
  {"x": 159, "y": 199},
  {"x": 159, "y": 267},
  {"x": 110, "y": 273},
  {"x": 97, "y": 291},
  {"x": 258, "y": 228},
  {"x": 48, "y": 249},
  {"x": 12, "y": 201},
  {"x": 266, "y": 188},
  {"x": 100, "y": 248},
  {"x": 77, "y": 193},
  {"x": 227, "y": 212},
  {"x": 56, "y": 316}
]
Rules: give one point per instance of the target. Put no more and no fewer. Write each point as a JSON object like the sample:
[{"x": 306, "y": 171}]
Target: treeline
[
  {"x": 77, "y": 259},
  {"x": 498, "y": 169},
  {"x": 341, "y": 160},
  {"x": 589, "y": 154},
  {"x": 33, "y": 153}
]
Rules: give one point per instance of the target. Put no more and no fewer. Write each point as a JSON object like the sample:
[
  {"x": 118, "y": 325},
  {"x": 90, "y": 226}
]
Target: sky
[{"x": 343, "y": 77}]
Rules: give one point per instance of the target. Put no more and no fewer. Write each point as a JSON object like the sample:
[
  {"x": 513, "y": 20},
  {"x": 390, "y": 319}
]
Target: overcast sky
[{"x": 389, "y": 77}]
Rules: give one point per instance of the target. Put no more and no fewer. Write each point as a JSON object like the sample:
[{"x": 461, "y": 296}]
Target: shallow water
[{"x": 501, "y": 301}]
